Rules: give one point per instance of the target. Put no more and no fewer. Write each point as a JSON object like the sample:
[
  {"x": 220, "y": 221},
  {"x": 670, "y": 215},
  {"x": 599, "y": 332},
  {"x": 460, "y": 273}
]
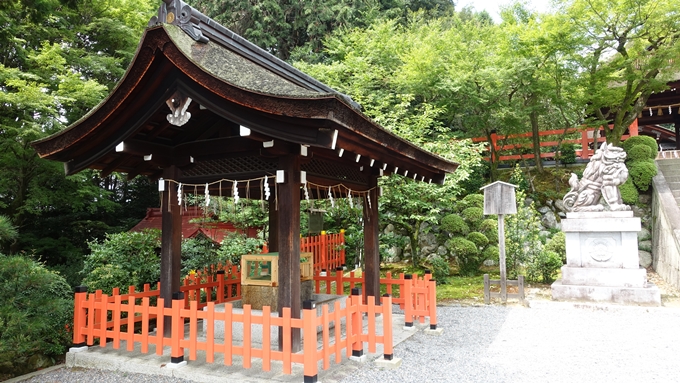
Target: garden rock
[
  {"x": 543, "y": 209},
  {"x": 645, "y": 245},
  {"x": 561, "y": 214},
  {"x": 394, "y": 254},
  {"x": 441, "y": 250},
  {"x": 559, "y": 205},
  {"x": 389, "y": 228},
  {"x": 489, "y": 262},
  {"x": 549, "y": 220},
  {"x": 645, "y": 199},
  {"x": 427, "y": 240},
  {"x": 528, "y": 201},
  {"x": 638, "y": 211},
  {"x": 544, "y": 234},
  {"x": 645, "y": 258},
  {"x": 644, "y": 234}
]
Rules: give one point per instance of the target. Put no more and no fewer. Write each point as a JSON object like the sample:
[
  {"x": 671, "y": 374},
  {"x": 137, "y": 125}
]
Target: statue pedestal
[{"x": 602, "y": 260}]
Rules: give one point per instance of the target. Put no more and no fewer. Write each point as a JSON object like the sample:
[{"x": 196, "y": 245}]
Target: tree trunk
[{"x": 533, "y": 116}]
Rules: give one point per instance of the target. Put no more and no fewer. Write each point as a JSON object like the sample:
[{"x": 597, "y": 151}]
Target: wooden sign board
[{"x": 499, "y": 198}]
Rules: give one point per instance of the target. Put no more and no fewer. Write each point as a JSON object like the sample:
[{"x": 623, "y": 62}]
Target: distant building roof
[{"x": 216, "y": 231}]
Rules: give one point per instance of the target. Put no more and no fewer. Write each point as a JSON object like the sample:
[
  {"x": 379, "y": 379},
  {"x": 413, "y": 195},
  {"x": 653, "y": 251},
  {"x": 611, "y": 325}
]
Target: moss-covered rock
[
  {"x": 642, "y": 172},
  {"x": 454, "y": 224}
]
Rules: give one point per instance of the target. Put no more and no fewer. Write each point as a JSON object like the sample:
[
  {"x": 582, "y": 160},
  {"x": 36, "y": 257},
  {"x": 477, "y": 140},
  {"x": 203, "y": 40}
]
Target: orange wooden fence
[
  {"x": 417, "y": 296},
  {"x": 328, "y": 249},
  {"x": 587, "y": 137},
  {"x": 93, "y": 310}
]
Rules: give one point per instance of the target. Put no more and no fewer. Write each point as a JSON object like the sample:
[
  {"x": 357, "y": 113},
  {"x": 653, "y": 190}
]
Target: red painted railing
[
  {"x": 91, "y": 327},
  {"x": 500, "y": 143},
  {"x": 328, "y": 249},
  {"x": 417, "y": 296}
]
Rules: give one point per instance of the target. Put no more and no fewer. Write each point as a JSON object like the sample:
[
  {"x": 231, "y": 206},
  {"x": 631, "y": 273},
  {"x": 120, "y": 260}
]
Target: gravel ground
[{"x": 551, "y": 342}]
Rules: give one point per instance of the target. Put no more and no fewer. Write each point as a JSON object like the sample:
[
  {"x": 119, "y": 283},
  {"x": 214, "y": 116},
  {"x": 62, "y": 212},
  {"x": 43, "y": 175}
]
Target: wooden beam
[
  {"x": 171, "y": 243},
  {"x": 371, "y": 242},
  {"x": 289, "y": 245}
]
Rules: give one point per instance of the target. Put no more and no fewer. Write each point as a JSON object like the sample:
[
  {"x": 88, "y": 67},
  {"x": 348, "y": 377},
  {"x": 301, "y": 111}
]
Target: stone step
[
  {"x": 669, "y": 168},
  {"x": 670, "y": 179},
  {"x": 676, "y": 193},
  {"x": 674, "y": 185}
]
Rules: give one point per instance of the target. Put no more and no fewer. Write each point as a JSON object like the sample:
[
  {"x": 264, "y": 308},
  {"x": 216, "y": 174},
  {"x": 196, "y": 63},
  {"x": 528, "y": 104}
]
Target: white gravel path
[{"x": 553, "y": 342}]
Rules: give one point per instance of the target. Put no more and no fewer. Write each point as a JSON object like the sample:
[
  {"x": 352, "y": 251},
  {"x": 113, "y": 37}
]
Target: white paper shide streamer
[
  {"x": 236, "y": 197},
  {"x": 349, "y": 197},
  {"x": 207, "y": 196},
  {"x": 306, "y": 192},
  {"x": 267, "y": 192},
  {"x": 330, "y": 197},
  {"x": 179, "y": 194}
]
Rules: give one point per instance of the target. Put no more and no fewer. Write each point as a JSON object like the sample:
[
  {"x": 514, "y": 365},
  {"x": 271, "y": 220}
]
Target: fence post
[
  {"x": 309, "y": 341},
  {"x": 342, "y": 247},
  {"x": 79, "y": 316},
  {"x": 487, "y": 289},
  {"x": 357, "y": 328},
  {"x": 339, "y": 285},
  {"x": 220, "y": 286},
  {"x": 408, "y": 301},
  {"x": 323, "y": 256},
  {"x": 432, "y": 304},
  {"x": 388, "y": 351},
  {"x": 177, "y": 353},
  {"x": 584, "y": 144}
]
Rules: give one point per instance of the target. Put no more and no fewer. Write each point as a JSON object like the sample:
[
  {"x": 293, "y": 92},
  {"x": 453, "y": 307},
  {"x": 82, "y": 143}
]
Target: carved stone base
[
  {"x": 602, "y": 260},
  {"x": 647, "y": 296},
  {"x": 260, "y": 296}
]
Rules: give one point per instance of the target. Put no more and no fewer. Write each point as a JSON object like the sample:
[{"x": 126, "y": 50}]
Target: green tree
[
  {"x": 628, "y": 50},
  {"x": 59, "y": 59}
]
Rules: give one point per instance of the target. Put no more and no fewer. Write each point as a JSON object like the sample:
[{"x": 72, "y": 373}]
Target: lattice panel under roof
[
  {"x": 236, "y": 165},
  {"x": 335, "y": 170}
]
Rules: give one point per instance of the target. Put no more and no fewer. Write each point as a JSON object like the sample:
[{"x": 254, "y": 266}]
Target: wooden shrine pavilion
[
  {"x": 200, "y": 105},
  {"x": 662, "y": 108}
]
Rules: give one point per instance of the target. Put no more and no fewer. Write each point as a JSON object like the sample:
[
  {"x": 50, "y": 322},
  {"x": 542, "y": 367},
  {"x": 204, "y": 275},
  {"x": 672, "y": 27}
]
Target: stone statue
[{"x": 602, "y": 177}]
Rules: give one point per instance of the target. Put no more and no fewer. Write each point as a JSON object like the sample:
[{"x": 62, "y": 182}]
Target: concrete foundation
[
  {"x": 256, "y": 334},
  {"x": 602, "y": 261}
]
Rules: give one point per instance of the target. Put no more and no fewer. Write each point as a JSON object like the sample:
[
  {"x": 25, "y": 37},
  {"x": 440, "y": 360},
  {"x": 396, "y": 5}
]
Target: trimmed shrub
[
  {"x": 454, "y": 224},
  {"x": 440, "y": 270},
  {"x": 492, "y": 252},
  {"x": 544, "y": 265},
  {"x": 467, "y": 255},
  {"x": 628, "y": 144},
  {"x": 638, "y": 152},
  {"x": 474, "y": 200},
  {"x": 36, "y": 309},
  {"x": 629, "y": 193},
  {"x": 642, "y": 173},
  {"x": 234, "y": 245},
  {"x": 126, "y": 259},
  {"x": 558, "y": 245},
  {"x": 479, "y": 239},
  {"x": 489, "y": 227},
  {"x": 567, "y": 154},
  {"x": 473, "y": 215}
]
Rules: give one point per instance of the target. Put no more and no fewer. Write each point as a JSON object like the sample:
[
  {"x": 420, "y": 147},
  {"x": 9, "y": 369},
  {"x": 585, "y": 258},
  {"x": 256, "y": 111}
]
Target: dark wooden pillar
[
  {"x": 677, "y": 130},
  {"x": 371, "y": 242},
  {"x": 289, "y": 244},
  {"x": 273, "y": 226},
  {"x": 171, "y": 242}
]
